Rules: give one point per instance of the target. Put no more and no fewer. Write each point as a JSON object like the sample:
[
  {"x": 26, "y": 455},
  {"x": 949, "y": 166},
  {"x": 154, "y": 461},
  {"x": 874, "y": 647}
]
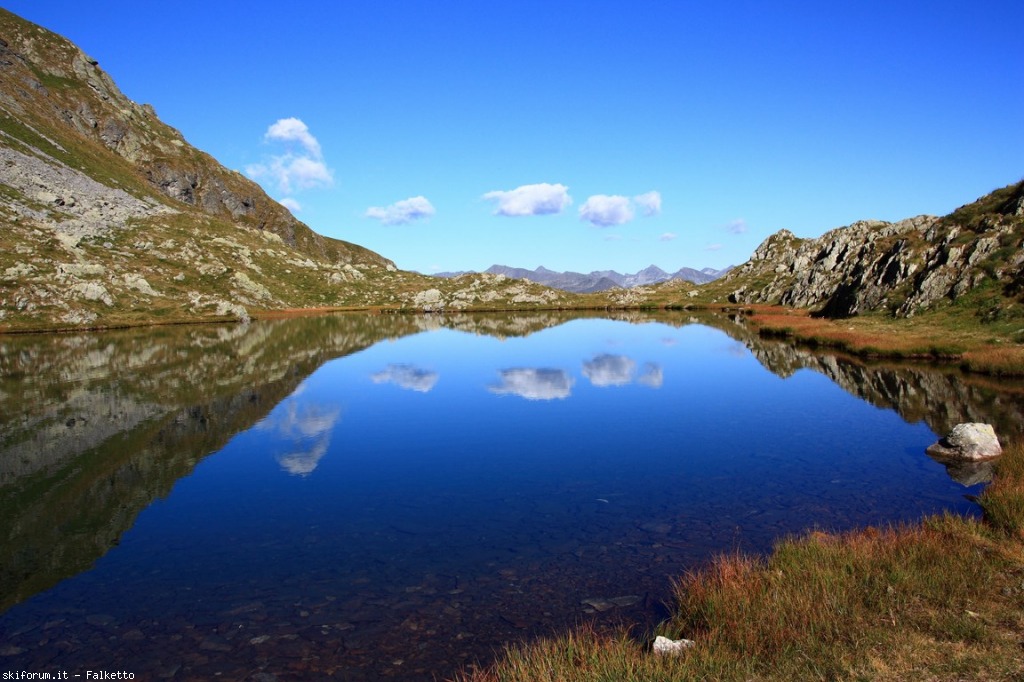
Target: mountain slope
[{"x": 972, "y": 258}]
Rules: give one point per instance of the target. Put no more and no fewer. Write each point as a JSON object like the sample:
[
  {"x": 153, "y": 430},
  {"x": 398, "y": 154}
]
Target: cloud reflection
[
  {"x": 406, "y": 376},
  {"x": 306, "y": 429},
  {"x": 651, "y": 376},
  {"x": 609, "y": 370},
  {"x": 618, "y": 370},
  {"x": 534, "y": 383}
]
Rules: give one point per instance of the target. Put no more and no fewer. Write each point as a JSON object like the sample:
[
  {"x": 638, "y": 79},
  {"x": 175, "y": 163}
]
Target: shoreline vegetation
[{"x": 942, "y": 599}]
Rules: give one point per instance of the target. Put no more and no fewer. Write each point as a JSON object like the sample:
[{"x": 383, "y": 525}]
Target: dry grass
[
  {"x": 999, "y": 361},
  {"x": 979, "y": 349},
  {"x": 863, "y": 336},
  {"x": 940, "y": 600}
]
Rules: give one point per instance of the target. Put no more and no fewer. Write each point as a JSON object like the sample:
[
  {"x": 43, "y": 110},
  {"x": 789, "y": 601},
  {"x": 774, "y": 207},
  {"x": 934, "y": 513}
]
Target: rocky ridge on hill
[{"x": 973, "y": 256}]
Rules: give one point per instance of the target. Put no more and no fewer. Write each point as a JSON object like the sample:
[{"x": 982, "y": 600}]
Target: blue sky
[{"x": 579, "y": 135}]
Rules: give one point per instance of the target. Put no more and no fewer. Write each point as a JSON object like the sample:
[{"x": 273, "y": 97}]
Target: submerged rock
[{"x": 967, "y": 442}]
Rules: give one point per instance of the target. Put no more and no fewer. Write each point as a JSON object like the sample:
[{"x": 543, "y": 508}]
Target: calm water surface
[{"x": 364, "y": 497}]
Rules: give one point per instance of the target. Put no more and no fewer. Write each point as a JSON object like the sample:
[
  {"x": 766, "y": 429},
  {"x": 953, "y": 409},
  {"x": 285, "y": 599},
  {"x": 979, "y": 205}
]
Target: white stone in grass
[{"x": 663, "y": 646}]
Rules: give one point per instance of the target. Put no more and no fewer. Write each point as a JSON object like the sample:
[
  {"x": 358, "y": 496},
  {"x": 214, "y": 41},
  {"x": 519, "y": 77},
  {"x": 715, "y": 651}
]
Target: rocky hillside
[
  {"x": 972, "y": 257},
  {"x": 108, "y": 216}
]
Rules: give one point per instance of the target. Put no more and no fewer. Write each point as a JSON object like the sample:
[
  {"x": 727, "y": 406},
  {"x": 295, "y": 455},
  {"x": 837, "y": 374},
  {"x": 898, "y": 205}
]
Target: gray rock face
[
  {"x": 968, "y": 442},
  {"x": 902, "y": 268},
  {"x": 84, "y": 207}
]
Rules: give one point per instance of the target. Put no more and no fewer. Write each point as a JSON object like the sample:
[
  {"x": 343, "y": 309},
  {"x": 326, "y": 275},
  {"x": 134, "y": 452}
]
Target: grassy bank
[
  {"x": 939, "y": 600},
  {"x": 996, "y": 350}
]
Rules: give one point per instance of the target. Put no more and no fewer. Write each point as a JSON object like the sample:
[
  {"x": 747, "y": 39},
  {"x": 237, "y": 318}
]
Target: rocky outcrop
[{"x": 901, "y": 268}]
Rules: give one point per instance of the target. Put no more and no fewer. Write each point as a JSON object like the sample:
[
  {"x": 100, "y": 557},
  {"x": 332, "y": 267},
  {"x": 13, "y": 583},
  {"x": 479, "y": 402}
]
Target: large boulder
[{"x": 967, "y": 442}]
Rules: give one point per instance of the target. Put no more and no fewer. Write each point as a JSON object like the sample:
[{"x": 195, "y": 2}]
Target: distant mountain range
[{"x": 599, "y": 280}]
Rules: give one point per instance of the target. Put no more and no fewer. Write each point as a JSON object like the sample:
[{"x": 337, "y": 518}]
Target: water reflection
[
  {"x": 304, "y": 429},
  {"x": 409, "y": 377},
  {"x": 651, "y": 375},
  {"x": 619, "y": 370},
  {"x": 534, "y": 383},
  {"x": 609, "y": 370},
  {"x": 430, "y": 538}
]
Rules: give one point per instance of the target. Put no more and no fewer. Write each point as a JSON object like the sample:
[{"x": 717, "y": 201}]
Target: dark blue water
[{"x": 411, "y": 506}]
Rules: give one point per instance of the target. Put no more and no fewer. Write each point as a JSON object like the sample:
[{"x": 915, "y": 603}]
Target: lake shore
[{"x": 941, "y": 599}]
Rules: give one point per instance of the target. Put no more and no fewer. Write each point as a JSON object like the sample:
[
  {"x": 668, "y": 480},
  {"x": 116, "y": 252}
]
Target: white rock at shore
[{"x": 968, "y": 441}]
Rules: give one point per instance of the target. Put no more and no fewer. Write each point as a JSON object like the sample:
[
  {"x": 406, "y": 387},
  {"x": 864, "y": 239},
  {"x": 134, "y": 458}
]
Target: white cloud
[
  {"x": 408, "y": 377},
  {"x": 649, "y": 203},
  {"x": 667, "y": 236},
  {"x": 604, "y": 210},
  {"x": 294, "y": 130},
  {"x": 713, "y": 247},
  {"x": 402, "y": 212},
  {"x": 539, "y": 199},
  {"x": 738, "y": 226},
  {"x": 534, "y": 384},
  {"x": 291, "y": 204},
  {"x": 293, "y": 170},
  {"x": 613, "y": 238}
]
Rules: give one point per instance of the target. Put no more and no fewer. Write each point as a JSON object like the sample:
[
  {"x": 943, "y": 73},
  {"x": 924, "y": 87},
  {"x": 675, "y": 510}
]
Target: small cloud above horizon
[
  {"x": 603, "y": 210},
  {"x": 402, "y": 212},
  {"x": 608, "y": 210},
  {"x": 649, "y": 203},
  {"x": 667, "y": 236},
  {"x": 526, "y": 200},
  {"x": 293, "y": 170},
  {"x": 713, "y": 247}
]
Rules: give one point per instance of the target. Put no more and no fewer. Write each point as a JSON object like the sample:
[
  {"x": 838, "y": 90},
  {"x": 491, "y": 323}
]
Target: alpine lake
[{"x": 366, "y": 497}]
